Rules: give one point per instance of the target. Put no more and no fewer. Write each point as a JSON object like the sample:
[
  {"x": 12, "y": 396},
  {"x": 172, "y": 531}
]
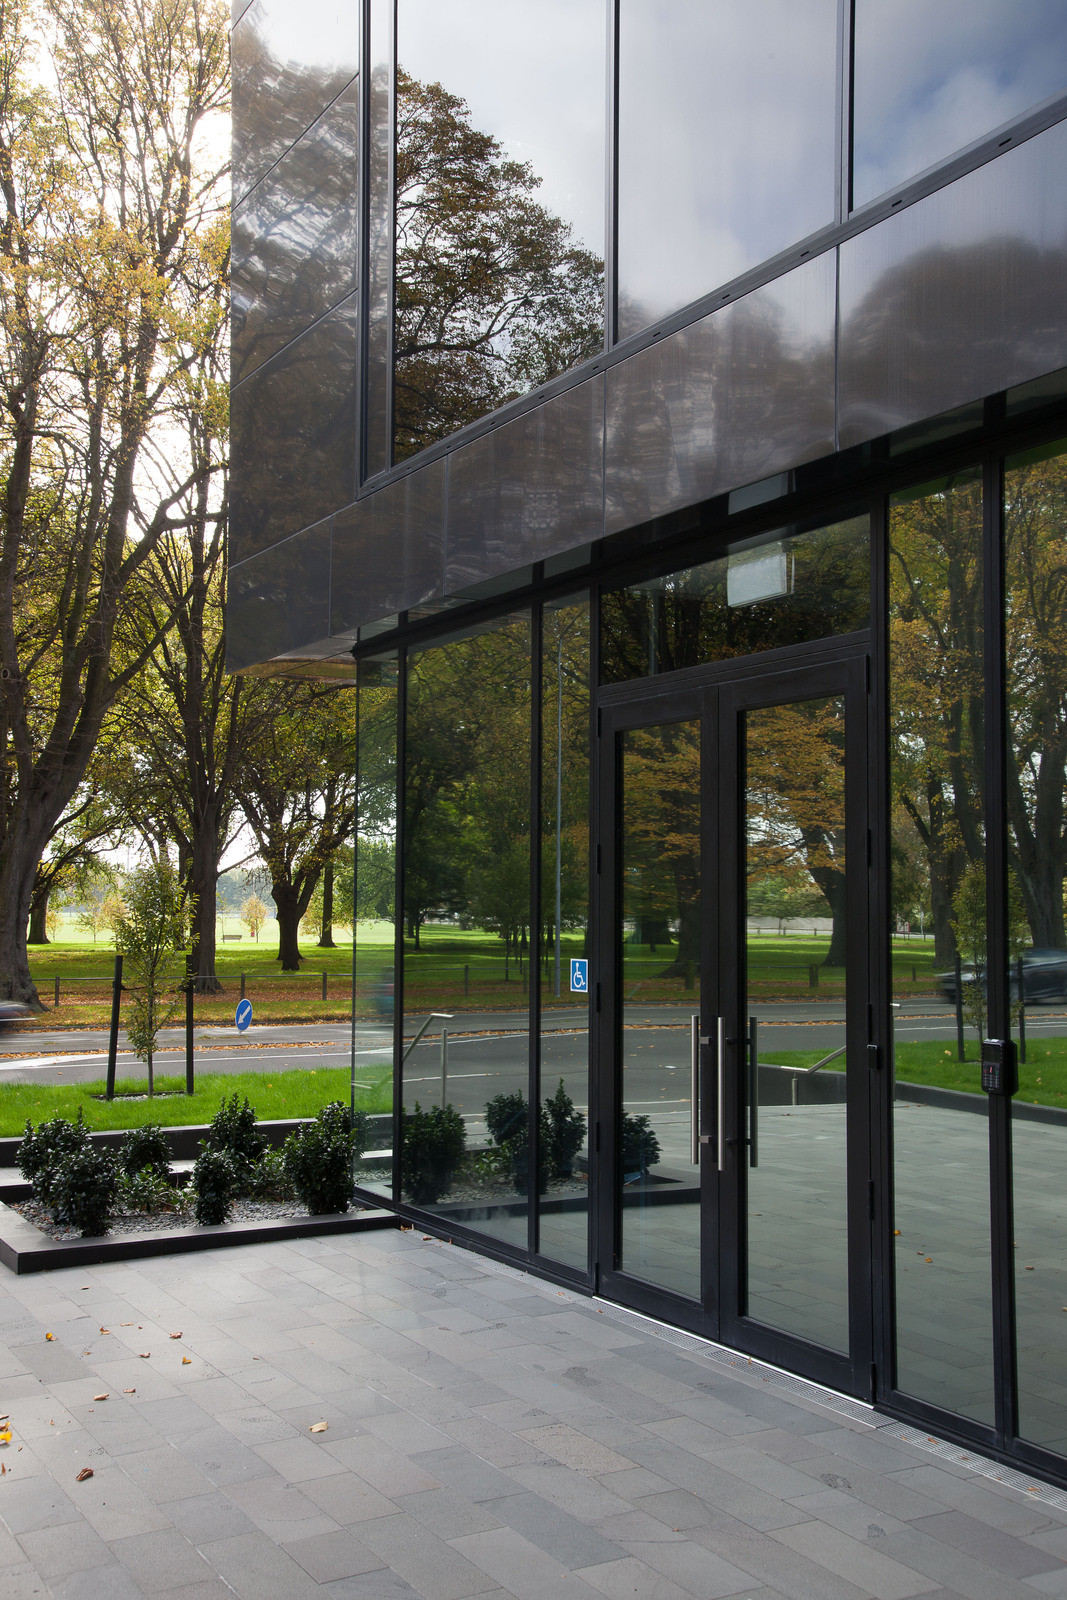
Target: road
[{"x": 487, "y": 1051}]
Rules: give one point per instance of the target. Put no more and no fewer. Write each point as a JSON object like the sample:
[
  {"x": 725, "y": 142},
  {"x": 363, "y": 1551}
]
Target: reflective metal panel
[
  {"x": 931, "y": 79},
  {"x": 293, "y": 436},
  {"x": 279, "y": 600},
  {"x": 499, "y": 205},
  {"x": 379, "y": 359},
  {"x": 957, "y": 296},
  {"x": 389, "y": 550},
  {"x": 529, "y": 488},
  {"x": 290, "y": 58},
  {"x": 295, "y": 238},
  {"x": 727, "y": 143},
  {"x": 739, "y": 395}
]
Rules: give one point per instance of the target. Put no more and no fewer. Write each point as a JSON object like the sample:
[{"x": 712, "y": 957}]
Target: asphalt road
[{"x": 487, "y": 1051}]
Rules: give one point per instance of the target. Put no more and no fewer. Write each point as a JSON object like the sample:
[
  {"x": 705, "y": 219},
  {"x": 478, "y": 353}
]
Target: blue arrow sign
[
  {"x": 243, "y": 1015},
  {"x": 579, "y": 975}
]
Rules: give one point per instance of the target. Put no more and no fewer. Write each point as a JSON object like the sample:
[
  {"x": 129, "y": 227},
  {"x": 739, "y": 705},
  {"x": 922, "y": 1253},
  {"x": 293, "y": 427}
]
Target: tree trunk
[
  {"x": 832, "y": 885},
  {"x": 326, "y": 941},
  {"x": 287, "y": 901},
  {"x": 18, "y": 865},
  {"x": 203, "y": 881},
  {"x": 39, "y": 919}
]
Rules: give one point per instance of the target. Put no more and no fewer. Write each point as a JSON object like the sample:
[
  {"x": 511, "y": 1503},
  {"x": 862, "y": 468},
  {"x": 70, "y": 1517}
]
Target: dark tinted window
[
  {"x": 930, "y": 79},
  {"x": 782, "y": 588},
  {"x": 499, "y": 204},
  {"x": 727, "y": 117}
]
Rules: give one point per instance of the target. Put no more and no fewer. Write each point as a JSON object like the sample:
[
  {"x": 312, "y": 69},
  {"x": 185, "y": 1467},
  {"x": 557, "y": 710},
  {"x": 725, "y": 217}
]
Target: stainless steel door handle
[
  {"x": 720, "y": 1151},
  {"x": 694, "y": 1090}
]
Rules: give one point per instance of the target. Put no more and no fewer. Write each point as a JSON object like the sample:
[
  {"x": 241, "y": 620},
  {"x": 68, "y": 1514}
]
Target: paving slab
[{"x": 486, "y": 1435}]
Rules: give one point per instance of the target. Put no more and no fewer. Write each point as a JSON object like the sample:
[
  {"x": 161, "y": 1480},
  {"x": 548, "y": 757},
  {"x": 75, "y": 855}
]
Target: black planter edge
[{"x": 24, "y": 1248}]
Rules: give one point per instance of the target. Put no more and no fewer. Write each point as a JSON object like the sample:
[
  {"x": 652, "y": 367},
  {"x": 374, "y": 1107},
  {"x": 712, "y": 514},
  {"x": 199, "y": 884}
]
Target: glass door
[{"x": 736, "y": 1015}]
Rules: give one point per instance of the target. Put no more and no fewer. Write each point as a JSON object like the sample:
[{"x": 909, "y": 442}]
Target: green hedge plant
[
  {"x": 44, "y": 1150},
  {"x": 318, "y": 1158},
  {"x": 233, "y": 1131},
  {"x": 214, "y": 1182},
  {"x": 433, "y": 1146},
  {"x": 145, "y": 1147},
  {"x": 84, "y": 1186}
]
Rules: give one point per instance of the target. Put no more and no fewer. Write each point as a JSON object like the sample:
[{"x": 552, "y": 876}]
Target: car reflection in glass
[{"x": 1044, "y": 976}]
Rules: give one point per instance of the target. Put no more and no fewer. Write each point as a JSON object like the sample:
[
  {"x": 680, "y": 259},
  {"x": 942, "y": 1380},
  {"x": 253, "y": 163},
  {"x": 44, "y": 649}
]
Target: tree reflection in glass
[
  {"x": 1035, "y": 563},
  {"x": 937, "y": 757},
  {"x": 498, "y": 251}
]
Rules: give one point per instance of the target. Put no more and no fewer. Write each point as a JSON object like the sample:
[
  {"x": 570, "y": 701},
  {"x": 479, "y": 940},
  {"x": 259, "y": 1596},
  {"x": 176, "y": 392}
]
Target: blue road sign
[
  {"x": 580, "y": 976},
  {"x": 243, "y": 1015}
]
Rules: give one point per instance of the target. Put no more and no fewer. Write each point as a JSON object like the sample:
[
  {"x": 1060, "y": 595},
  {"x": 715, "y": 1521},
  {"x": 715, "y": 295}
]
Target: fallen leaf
[
  {"x": 5, "y": 1437},
  {"x": 86, "y": 1472},
  {"x": 129, "y": 1391},
  {"x": 318, "y": 1427},
  {"x": 186, "y": 1361},
  {"x": 1029, "y": 1269},
  {"x": 127, "y": 1324},
  {"x": 3, "y": 1469},
  {"x": 105, "y": 1330},
  {"x": 4, "y": 1416},
  {"x": 144, "y": 1354},
  {"x": 49, "y": 1335},
  {"x": 99, "y": 1396},
  {"x": 175, "y": 1335},
  {"x": 929, "y": 1259}
]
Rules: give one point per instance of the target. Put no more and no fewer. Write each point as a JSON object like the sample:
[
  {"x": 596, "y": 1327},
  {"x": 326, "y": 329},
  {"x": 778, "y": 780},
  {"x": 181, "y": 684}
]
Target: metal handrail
[{"x": 435, "y": 1016}]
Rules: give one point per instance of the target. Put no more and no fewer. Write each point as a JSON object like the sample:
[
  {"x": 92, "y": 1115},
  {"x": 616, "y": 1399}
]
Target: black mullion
[
  {"x": 997, "y": 952},
  {"x": 880, "y": 963},
  {"x": 596, "y": 1239},
  {"x": 533, "y": 1188},
  {"x": 398, "y": 918},
  {"x": 611, "y": 177}
]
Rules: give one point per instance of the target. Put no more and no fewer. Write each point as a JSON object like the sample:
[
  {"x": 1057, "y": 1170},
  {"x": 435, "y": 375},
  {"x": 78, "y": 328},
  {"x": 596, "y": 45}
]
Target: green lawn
[
  {"x": 275, "y": 1096},
  {"x": 1042, "y": 1079}
]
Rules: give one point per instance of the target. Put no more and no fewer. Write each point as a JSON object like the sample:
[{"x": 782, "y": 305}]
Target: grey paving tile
[
  {"x": 206, "y": 1517},
  {"x": 521, "y": 1568},
  {"x": 162, "y": 1560},
  {"x": 450, "y": 1514},
  {"x": 333, "y": 1555},
  {"x": 771, "y": 1563},
  {"x": 58, "y": 1552},
  {"x": 627, "y": 1577},
  {"x": 30, "y": 1503},
  {"x": 571, "y": 1542},
  {"x": 1001, "y": 1550},
  {"x": 880, "y": 1575},
  {"x": 434, "y": 1568},
  {"x": 347, "y": 1499},
  {"x": 256, "y": 1568},
  {"x": 978, "y": 1498},
  {"x": 23, "y": 1582},
  {"x": 100, "y": 1583},
  {"x": 280, "y": 1509}
]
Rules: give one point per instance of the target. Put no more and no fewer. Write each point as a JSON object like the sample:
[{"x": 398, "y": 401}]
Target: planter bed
[{"x": 24, "y": 1248}]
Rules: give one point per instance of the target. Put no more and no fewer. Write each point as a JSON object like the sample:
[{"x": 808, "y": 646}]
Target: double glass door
[{"x": 735, "y": 1022}]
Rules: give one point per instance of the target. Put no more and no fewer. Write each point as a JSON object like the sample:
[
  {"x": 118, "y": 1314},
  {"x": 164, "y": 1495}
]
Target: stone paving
[{"x": 486, "y": 1435}]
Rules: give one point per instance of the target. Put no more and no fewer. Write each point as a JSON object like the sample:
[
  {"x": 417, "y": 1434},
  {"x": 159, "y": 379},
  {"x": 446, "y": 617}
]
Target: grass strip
[
  {"x": 1042, "y": 1078},
  {"x": 276, "y": 1097}
]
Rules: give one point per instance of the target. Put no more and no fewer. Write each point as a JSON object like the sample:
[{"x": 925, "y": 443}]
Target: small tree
[
  {"x": 150, "y": 932},
  {"x": 254, "y": 914}
]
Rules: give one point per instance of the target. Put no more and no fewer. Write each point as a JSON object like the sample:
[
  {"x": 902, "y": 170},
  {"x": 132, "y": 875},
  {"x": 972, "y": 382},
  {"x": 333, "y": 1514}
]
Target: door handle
[
  {"x": 694, "y": 1090},
  {"x": 753, "y": 1095},
  {"x": 721, "y": 1094}
]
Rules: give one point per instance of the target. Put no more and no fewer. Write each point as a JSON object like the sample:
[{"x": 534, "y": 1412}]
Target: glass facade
[
  {"x": 930, "y": 80},
  {"x": 711, "y": 836},
  {"x": 499, "y": 205},
  {"x": 727, "y": 143}
]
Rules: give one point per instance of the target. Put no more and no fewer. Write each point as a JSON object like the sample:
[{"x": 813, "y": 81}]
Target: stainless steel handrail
[{"x": 694, "y": 1090}]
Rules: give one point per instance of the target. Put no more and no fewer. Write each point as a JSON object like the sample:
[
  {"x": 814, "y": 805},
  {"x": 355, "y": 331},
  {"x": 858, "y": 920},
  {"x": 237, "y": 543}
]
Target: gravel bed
[{"x": 132, "y": 1222}]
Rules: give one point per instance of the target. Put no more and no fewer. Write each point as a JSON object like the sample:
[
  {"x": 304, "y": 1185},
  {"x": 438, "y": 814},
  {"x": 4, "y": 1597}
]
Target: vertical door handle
[
  {"x": 753, "y": 1094},
  {"x": 721, "y": 1094},
  {"x": 694, "y": 1090}
]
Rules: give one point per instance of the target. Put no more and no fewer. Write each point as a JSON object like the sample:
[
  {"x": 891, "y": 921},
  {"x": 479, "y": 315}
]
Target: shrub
[
  {"x": 640, "y": 1147},
  {"x": 269, "y": 1179},
  {"x": 83, "y": 1187},
  {"x": 508, "y": 1119},
  {"x": 148, "y": 1190},
  {"x": 318, "y": 1158},
  {"x": 233, "y": 1131},
  {"x": 215, "y": 1184},
  {"x": 42, "y": 1152},
  {"x": 145, "y": 1147},
  {"x": 434, "y": 1143},
  {"x": 566, "y": 1131}
]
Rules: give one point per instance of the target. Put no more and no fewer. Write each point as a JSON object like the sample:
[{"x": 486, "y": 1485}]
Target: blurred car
[
  {"x": 1044, "y": 977},
  {"x": 12, "y": 1012}
]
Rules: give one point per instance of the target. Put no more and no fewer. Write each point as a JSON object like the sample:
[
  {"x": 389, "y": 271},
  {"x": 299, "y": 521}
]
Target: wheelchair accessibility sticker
[{"x": 580, "y": 976}]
